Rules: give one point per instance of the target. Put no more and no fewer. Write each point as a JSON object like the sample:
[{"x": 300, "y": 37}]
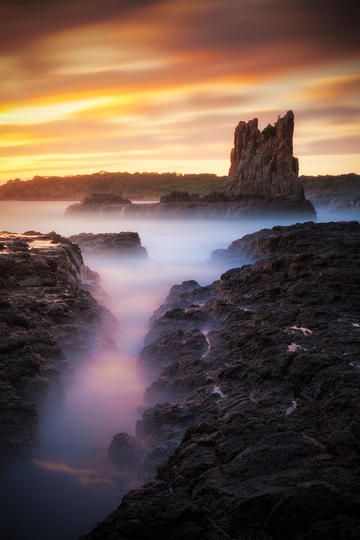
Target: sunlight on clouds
[
  {"x": 22, "y": 139},
  {"x": 94, "y": 67},
  {"x": 35, "y": 114},
  {"x": 25, "y": 142},
  {"x": 163, "y": 89},
  {"x": 328, "y": 88}
]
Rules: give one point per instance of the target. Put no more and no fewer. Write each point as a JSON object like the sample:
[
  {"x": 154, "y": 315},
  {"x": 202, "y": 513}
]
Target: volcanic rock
[
  {"x": 178, "y": 196},
  {"x": 125, "y": 451},
  {"x": 125, "y": 243},
  {"x": 337, "y": 202},
  {"x": 258, "y": 433},
  {"x": 46, "y": 315},
  {"x": 262, "y": 163},
  {"x": 100, "y": 203}
]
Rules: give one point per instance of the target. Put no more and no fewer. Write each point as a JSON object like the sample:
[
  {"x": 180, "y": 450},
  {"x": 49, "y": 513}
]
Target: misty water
[{"x": 70, "y": 484}]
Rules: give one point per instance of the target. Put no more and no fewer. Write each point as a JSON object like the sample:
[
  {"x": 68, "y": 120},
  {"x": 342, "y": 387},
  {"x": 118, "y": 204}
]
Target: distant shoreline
[{"x": 152, "y": 186}]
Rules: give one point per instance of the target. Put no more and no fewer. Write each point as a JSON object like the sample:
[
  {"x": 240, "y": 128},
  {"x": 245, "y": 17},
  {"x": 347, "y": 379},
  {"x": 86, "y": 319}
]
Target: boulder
[
  {"x": 125, "y": 451},
  {"x": 99, "y": 203},
  {"x": 124, "y": 243}
]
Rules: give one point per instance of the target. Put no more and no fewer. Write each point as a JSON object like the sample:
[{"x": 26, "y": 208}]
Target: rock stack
[{"x": 262, "y": 162}]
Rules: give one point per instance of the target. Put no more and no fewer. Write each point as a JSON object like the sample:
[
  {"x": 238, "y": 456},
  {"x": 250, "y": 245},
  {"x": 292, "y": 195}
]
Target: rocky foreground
[
  {"x": 253, "y": 418},
  {"x": 47, "y": 316}
]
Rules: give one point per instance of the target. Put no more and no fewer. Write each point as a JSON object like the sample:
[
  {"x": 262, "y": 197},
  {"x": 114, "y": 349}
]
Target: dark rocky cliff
[
  {"x": 46, "y": 315},
  {"x": 253, "y": 419}
]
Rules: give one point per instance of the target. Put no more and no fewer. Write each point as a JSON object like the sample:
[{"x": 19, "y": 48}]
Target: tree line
[{"x": 148, "y": 185}]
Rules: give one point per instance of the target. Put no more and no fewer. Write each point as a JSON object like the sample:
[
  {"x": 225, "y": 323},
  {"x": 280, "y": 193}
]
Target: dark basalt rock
[
  {"x": 178, "y": 196},
  {"x": 212, "y": 206},
  {"x": 46, "y": 314},
  {"x": 262, "y": 163},
  {"x": 337, "y": 202},
  {"x": 258, "y": 433},
  {"x": 125, "y": 243},
  {"x": 287, "y": 241},
  {"x": 125, "y": 451},
  {"x": 100, "y": 203}
]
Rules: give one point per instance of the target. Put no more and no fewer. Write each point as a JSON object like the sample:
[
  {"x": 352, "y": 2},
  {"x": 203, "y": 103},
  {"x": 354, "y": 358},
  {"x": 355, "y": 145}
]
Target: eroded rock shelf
[{"x": 252, "y": 427}]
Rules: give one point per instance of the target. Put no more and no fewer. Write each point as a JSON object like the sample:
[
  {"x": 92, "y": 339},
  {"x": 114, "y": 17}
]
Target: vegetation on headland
[
  {"x": 149, "y": 185},
  {"x": 341, "y": 184},
  {"x": 130, "y": 185}
]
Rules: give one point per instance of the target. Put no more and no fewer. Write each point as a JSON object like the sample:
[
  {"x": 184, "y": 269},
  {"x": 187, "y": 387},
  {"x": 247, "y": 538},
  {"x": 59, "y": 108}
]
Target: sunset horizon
[{"x": 151, "y": 86}]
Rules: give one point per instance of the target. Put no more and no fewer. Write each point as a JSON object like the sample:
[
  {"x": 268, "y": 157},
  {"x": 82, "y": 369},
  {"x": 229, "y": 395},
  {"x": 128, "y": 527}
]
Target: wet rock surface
[
  {"x": 46, "y": 315},
  {"x": 255, "y": 430},
  {"x": 100, "y": 203},
  {"x": 125, "y": 451},
  {"x": 217, "y": 204},
  {"x": 125, "y": 243},
  {"x": 232, "y": 205}
]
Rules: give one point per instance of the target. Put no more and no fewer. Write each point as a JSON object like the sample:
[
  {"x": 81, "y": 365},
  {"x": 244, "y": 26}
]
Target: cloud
[
  {"x": 26, "y": 21},
  {"x": 334, "y": 88},
  {"x": 335, "y": 145},
  {"x": 166, "y": 78}
]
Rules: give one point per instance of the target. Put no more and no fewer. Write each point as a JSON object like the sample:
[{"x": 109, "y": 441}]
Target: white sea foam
[
  {"x": 305, "y": 331},
  {"x": 293, "y": 347},
  {"x": 291, "y": 408},
  {"x": 216, "y": 390}
]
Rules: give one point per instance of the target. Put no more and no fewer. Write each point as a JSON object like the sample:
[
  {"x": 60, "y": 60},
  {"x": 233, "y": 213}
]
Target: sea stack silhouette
[{"x": 263, "y": 163}]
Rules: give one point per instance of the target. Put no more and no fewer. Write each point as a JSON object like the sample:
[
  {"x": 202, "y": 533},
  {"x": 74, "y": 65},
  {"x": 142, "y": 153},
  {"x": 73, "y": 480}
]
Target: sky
[{"x": 159, "y": 85}]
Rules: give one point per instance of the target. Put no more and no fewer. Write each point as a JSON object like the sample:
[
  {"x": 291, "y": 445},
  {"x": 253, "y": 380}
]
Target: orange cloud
[
  {"x": 332, "y": 88},
  {"x": 154, "y": 85}
]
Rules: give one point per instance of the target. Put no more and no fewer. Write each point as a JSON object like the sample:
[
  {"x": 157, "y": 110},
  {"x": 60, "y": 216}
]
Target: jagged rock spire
[{"x": 262, "y": 163}]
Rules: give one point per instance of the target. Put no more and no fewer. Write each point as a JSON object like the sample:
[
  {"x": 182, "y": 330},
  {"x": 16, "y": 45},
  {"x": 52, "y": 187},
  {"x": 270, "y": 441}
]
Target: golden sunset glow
[{"x": 160, "y": 85}]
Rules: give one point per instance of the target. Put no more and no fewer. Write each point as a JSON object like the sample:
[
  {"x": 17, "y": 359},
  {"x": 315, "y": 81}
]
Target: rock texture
[
  {"x": 125, "y": 451},
  {"x": 46, "y": 315},
  {"x": 253, "y": 423},
  {"x": 262, "y": 163},
  {"x": 124, "y": 243},
  {"x": 337, "y": 202},
  {"x": 100, "y": 203},
  {"x": 339, "y": 193},
  {"x": 180, "y": 204}
]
